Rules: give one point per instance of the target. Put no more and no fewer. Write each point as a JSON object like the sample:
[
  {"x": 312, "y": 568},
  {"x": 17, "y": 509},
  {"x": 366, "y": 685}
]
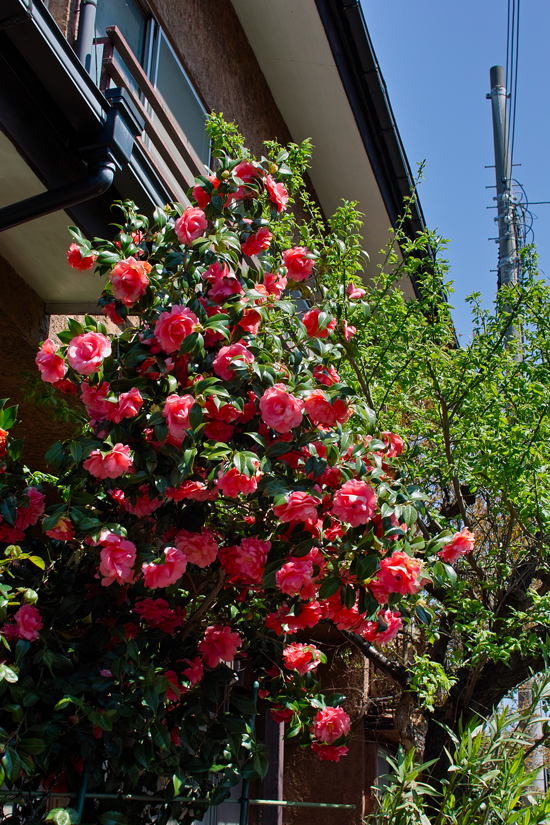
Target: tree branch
[{"x": 400, "y": 674}]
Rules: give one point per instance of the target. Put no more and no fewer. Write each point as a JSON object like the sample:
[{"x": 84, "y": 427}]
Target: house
[{"x": 106, "y": 99}]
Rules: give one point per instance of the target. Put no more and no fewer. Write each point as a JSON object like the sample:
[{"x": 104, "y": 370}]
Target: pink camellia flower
[
  {"x": 144, "y": 506},
  {"x": 203, "y": 197},
  {"x": 29, "y": 515},
  {"x": 299, "y": 506},
  {"x": 87, "y": 352},
  {"x": 273, "y": 285},
  {"x": 247, "y": 171},
  {"x": 110, "y": 311},
  {"x": 172, "y": 327},
  {"x": 251, "y": 321},
  {"x": 118, "y": 556},
  {"x": 52, "y": 367},
  {"x": 321, "y": 411},
  {"x": 153, "y": 611},
  {"x": 111, "y": 465},
  {"x": 298, "y": 263},
  {"x": 277, "y": 193},
  {"x": 354, "y": 502},
  {"x": 129, "y": 280},
  {"x": 354, "y": 292},
  {"x": 460, "y": 544},
  {"x": 174, "y": 689},
  {"x": 309, "y": 616},
  {"x": 222, "y": 281},
  {"x": 349, "y": 331},
  {"x": 220, "y": 644},
  {"x": 163, "y": 575},
  {"x": 63, "y": 530},
  {"x": 194, "y": 490},
  {"x": 29, "y": 622},
  {"x": 325, "y": 375},
  {"x": 232, "y": 483},
  {"x": 329, "y": 753},
  {"x": 311, "y": 323},
  {"x": 281, "y": 714},
  {"x": 191, "y": 225},
  {"x": 199, "y": 548},
  {"x": 399, "y": 573},
  {"x": 94, "y": 400},
  {"x": 195, "y": 671},
  {"x": 229, "y": 358},
  {"x": 79, "y": 261},
  {"x": 176, "y": 412},
  {"x": 281, "y": 410},
  {"x": 128, "y": 405},
  {"x": 394, "y": 444},
  {"x": 258, "y": 242},
  {"x": 294, "y": 575},
  {"x": 372, "y": 632},
  {"x": 301, "y": 657},
  {"x": 330, "y": 724},
  {"x": 250, "y": 559}
]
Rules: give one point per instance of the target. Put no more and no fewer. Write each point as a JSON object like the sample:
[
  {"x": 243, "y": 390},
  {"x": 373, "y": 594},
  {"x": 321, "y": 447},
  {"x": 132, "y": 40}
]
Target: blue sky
[{"x": 435, "y": 57}]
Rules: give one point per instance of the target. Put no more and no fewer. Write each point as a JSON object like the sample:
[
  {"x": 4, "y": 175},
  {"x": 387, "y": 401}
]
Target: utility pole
[{"x": 508, "y": 261}]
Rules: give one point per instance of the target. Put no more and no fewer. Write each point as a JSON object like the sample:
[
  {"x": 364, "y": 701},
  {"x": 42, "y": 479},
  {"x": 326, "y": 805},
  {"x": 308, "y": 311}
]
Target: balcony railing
[{"x": 162, "y": 142}]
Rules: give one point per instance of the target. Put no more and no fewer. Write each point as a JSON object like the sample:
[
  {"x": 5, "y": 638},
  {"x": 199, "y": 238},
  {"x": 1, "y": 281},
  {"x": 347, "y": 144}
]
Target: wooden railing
[{"x": 119, "y": 64}]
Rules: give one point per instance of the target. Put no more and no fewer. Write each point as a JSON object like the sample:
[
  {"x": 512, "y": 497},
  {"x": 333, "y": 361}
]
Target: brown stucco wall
[
  {"x": 307, "y": 779},
  {"x": 23, "y": 325},
  {"x": 212, "y": 45}
]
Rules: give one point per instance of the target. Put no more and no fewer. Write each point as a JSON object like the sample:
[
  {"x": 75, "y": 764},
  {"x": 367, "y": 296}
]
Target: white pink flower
[
  {"x": 199, "y": 548},
  {"x": 355, "y": 502},
  {"x": 281, "y": 410},
  {"x": 87, "y": 352},
  {"x": 163, "y": 575},
  {"x": 118, "y": 556},
  {"x": 191, "y": 225},
  {"x": 52, "y": 367},
  {"x": 129, "y": 280},
  {"x": 219, "y": 644},
  {"x": 172, "y": 327},
  {"x": 111, "y": 465},
  {"x": 460, "y": 544},
  {"x": 229, "y": 358}
]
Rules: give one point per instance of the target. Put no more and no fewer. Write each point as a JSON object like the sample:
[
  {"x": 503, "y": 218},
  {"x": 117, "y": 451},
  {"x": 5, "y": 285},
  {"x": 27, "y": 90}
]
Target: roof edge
[{"x": 354, "y": 55}]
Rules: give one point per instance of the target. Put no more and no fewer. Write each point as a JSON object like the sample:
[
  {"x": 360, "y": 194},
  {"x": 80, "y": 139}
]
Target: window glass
[
  {"x": 130, "y": 19},
  {"x": 180, "y": 97}
]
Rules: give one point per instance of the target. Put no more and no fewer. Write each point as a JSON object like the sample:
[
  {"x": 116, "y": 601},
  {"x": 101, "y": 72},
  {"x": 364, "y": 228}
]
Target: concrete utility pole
[{"x": 508, "y": 263}]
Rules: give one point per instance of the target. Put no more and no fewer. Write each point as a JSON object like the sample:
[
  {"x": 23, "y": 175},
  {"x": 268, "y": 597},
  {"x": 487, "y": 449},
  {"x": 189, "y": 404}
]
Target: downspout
[
  {"x": 108, "y": 151},
  {"x": 63, "y": 197},
  {"x": 86, "y": 32}
]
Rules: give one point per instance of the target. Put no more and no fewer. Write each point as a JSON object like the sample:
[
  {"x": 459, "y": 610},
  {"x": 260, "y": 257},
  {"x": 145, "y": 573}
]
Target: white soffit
[
  {"x": 294, "y": 54},
  {"x": 36, "y": 249}
]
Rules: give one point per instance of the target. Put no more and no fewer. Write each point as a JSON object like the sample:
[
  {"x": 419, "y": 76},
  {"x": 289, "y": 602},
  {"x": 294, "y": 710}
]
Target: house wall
[
  {"x": 344, "y": 782},
  {"x": 23, "y": 325}
]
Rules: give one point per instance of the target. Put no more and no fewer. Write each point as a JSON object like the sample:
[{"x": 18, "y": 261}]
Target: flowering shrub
[{"x": 225, "y": 464}]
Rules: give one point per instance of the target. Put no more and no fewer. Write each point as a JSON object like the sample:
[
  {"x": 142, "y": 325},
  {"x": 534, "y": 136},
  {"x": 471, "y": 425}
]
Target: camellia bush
[{"x": 227, "y": 492}]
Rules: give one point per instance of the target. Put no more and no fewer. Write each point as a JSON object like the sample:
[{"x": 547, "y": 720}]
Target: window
[{"x": 152, "y": 50}]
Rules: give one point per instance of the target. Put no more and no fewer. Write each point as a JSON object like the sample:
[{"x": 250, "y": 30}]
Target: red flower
[{"x": 79, "y": 261}]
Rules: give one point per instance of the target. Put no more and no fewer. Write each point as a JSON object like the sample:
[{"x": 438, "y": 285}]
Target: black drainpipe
[
  {"x": 62, "y": 197},
  {"x": 110, "y": 151}
]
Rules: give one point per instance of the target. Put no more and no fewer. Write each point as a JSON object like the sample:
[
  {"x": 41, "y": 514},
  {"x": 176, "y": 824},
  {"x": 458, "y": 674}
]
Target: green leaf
[
  {"x": 63, "y": 816},
  {"x": 8, "y": 674},
  {"x": 329, "y": 587},
  {"x": 30, "y": 745},
  {"x": 195, "y": 416}
]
